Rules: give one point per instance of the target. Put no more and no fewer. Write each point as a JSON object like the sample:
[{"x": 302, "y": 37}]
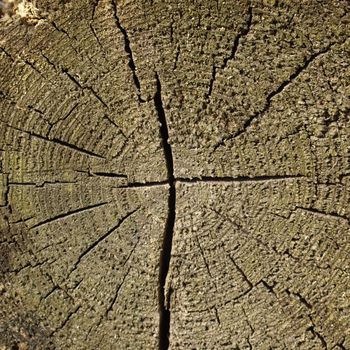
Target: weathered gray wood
[{"x": 174, "y": 174}]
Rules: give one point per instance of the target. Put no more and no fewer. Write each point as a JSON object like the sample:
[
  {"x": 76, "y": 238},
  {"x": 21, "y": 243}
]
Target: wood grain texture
[{"x": 174, "y": 174}]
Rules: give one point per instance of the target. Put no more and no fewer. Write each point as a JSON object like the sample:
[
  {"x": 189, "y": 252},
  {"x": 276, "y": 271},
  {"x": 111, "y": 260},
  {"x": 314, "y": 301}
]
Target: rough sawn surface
[{"x": 174, "y": 174}]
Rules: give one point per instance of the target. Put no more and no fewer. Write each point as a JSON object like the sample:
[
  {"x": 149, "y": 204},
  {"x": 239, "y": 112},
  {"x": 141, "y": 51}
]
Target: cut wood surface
[{"x": 174, "y": 174}]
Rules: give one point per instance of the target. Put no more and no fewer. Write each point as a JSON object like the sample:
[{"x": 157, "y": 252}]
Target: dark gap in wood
[
  {"x": 106, "y": 174},
  {"x": 205, "y": 179},
  {"x": 67, "y": 214},
  {"x": 144, "y": 184},
  {"x": 243, "y": 32},
  {"x": 127, "y": 48},
  {"x": 164, "y": 321},
  {"x": 298, "y": 71}
]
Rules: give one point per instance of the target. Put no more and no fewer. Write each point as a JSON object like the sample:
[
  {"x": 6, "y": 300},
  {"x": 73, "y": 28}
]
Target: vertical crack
[
  {"x": 164, "y": 321},
  {"x": 318, "y": 335},
  {"x": 4, "y": 201},
  {"x": 127, "y": 48},
  {"x": 243, "y": 32}
]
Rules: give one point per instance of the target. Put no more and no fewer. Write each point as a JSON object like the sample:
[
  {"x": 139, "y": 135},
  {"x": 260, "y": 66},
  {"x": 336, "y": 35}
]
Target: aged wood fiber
[{"x": 174, "y": 174}]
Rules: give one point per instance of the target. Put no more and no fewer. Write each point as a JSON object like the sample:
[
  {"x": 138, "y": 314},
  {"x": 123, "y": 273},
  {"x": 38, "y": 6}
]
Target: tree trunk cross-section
[{"x": 174, "y": 174}]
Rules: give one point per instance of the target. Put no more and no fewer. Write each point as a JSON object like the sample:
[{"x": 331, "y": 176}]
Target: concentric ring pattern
[{"x": 175, "y": 174}]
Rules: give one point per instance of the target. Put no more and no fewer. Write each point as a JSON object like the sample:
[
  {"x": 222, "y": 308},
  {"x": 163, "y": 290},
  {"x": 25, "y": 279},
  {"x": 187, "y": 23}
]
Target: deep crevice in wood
[
  {"x": 105, "y": 174},
  {"x": 144, "y": 184},
  {"x": 300, "y": 298},
  {"x": 230, "y": 179},
  {"x": 164, "y": 322}
]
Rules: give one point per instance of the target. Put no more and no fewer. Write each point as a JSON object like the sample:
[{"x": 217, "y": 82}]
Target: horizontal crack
[
  {"x": 144, "y": 184},
  {"x": 40, "y": 184},
  {"x": 105, "y": 174},
  {"x": 230, "y": 179}
]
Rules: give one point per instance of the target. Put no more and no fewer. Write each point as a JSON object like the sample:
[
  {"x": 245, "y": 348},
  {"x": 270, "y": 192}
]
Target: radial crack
[
  {"x": 74, "y": 80},
  {"x": 298, "y": 71},
  {"x": 239, "y": 227},
  {"x": 300, "y": 298},
  {"x": 243, "y": 32},
  {"x": 330, "y": 215},
  {"x": 114, "y": 300},
  {"x": 90, "y": 88},
  {"x": 204, "y": 259},
  {"x": 268, "y": 287},
  {"x": 217, "y": 315},
  {"x": 93, "y": 30},
  {"x": 67, "y": 115},
  {"x": 250, "y": 284},
  {"x": 7, "y": 54},
  {"x": 164, "y": 320},
  {"x": 70, "y": 213},
  {"x": 41, "y": 184},
  {"x": 127, "y": 48},
  {"x": 101, "y": 239},
  {"x": 144, "y": 184},
  {"x": 26, "y": 108},
  {"x": 94, "y": 7},
  {"x": 55, "y": 141},
  {"x": 4, "y": 200},
  {"x": 105, "y": 174},
  {"x": 231, "y": 179},
  {"x": 66, "y": 320},
  {"x": 317, "y": 334}
]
